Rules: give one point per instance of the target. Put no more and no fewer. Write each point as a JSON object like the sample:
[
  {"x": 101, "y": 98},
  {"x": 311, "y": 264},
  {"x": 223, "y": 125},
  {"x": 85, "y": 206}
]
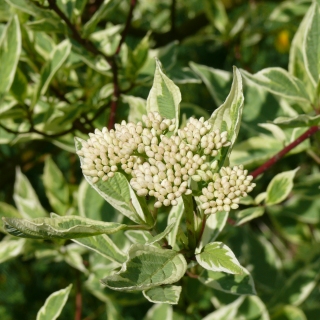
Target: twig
[
  {"x": 284, "y": 151},
  {"x": 78, "y": 297}
]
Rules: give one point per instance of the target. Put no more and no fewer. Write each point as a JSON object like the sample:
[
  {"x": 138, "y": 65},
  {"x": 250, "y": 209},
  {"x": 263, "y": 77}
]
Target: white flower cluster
[
  {"x": 107, "y": 151},
  {"x": 161, "y": 166},
  {"x": 224, "y": 192},
  {"x": 172, "y": 161}
]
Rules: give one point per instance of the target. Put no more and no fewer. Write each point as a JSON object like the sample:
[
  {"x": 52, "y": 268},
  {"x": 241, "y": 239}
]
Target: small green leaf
[
  {"x": 137, "y": 107},
  {"x": 227, "y": 312},
  {"x": 11, "y": 248},
  {"x": 138, "y": 236},
  {"x": 280, "y": 187},
  {"x": 10, "y": 48},
  {"x": 54, "y": 304},
  {"x": 278, "y": 81},
  {"x": 217, "y": 81},
  {"x": 175, "y": 216},
  {"x": 214, "y": 225},
  {"x": 231, "y": 283},
  {"x": 118, "y": 192},
  {"x": 147, "y": 267},
  {"x": 217, "y": 15},
  {"x": 302, "y": 120},
  {"x": 289, "y": 313},
  {"x": 66, "y": 227},
  {"x": 216, "y": 256},
  {"x": 164, "y": 96},
  {"x": 228, "y": 116},
  {"x": 57, "y": 58},
  {"x": 26, "y": 199},
  {"x": 19, "y": 86},
  {"x": 159, "y": 312},
  {"x": 248, "y": 214},
  {"x": 56, "y": 187},
  {"x": 163, "y": 294},
  {"x": 162, "y": 234},
  {"x": 311, "y": 43},
  {"x": 103, "y": 245}
]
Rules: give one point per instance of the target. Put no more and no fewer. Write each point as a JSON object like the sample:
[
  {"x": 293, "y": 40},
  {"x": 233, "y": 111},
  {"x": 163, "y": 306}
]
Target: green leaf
[
  {"x": 118, "y": 192},
  {"x": 289, "y": 313},
  {"x": 280, "y": 187},
  {"x": 299, "y": 286},
  {"x": 137, "y": 107},
  {"x": 11, "y": 248},
  {"x": 297, "y": 65},
  {"x": 7, "y": 210},
  {"x": 26, "y": 199},
  {"x": 311, "y": 43},
  {"x": 253, "y": 308},
  {"x": 216, "y": 14},
  {"x": 147, "y": 267},
  {"x": 228, "y": 116},
  {"x": 216, "y": 256},
  {"x": 10, "y": 49},
  {"x": 66, "y": 227},
  {"x": 248, "y": 214},
  {"x": 214, "y": 225},
  {"x": 103, "y": 245},
  {"x": 163, "y": 294},
  {"x": 175, "y": 216},
  {"x": 54, "y": 304},
  {"x": 162, "y": 234},
  {"x": 57, "y": 58},
  {"x": 227, "y": 312},
  {"x": 164, "y": 96},
  {"x": 159, "y": 312},
  {"x": 217, "y": 81},
  {"x": 19, "y": 86},
  {"x": 138, "y": 236},
  {"x": 231, "y": 283},
  {"x": 278, "y": 81},
  {"x": 56, "y": 187},
  {"x": 302, "y": 120}
]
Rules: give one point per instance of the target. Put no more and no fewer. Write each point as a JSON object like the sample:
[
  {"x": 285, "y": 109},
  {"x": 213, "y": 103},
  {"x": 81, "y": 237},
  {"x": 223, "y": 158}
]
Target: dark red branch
[
  {"x": 284, "y": 151},
  {"x": 78, "y": 312}
]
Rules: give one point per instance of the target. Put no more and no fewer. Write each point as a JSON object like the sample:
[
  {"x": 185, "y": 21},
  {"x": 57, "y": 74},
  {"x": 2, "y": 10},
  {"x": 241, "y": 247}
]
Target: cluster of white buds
[
  {"x": 226, "y": 189},
  {"x": 161, "y": 166},
  {"x": 107, "y": 151}
]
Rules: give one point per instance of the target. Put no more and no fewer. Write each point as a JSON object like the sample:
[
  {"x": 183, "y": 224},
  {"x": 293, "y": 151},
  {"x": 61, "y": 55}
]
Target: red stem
[{"x": 284, "y": 151}]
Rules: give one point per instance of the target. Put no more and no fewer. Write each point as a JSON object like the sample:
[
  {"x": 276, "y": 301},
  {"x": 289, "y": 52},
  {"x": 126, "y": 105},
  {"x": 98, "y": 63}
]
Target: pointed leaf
[
  {"x": 25, "y": 198},
  {"x": 58, "y": 57},
  {"x": 278, "y": 81},
  {"x": 214, "y": 225},
  {"x": 248, "y": 214},
  {"x": 138, "y": 236},
  {"x": 11, "y": 248},
  {"x": 227, "y": 312},
  {"x": 56, "y": 187},
  {"x": 10, "y": 49},
  {"x": 147, "y": 267},
  {"x": 118, "y": 192},
  {"x": 103, "y": 245},
  {"x": 302, "y": 120},
  {"x": 163, "y": 294},
  {"x": 311, "y": 43},
  {"x": 164, "y": 96},
  {"x": 228, "y": 116},
  {"x": 253, "y": 308},
  {"x": 280, "y": 187},
  {"x": 216, "y": 256},
  {"x": 217, "y": 81},
  {"x": 231, "y": 283},
  {"x": 66, "y": 227},
  {"x": 162, "y": 234},
  {"x": 159, "y": 312},
  {"x": 54, "y": 304},
  {"x": 175, "y": 215}
]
